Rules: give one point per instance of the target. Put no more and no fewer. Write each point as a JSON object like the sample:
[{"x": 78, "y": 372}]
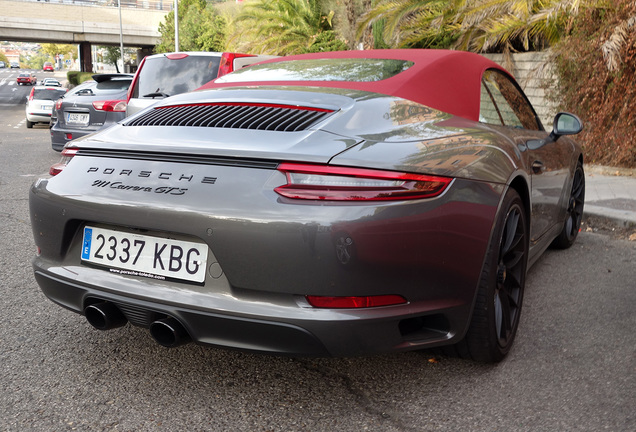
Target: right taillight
[
  {"x": 333, "y": 183},
  {"x": 110, "y": 105},
  {"x": 67, "y": 155},
  {"x": 227, "y": 62}
]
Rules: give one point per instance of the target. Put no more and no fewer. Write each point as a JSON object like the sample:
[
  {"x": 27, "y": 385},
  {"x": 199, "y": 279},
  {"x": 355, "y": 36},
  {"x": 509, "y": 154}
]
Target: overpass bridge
[{"x": 84, "y": 22}]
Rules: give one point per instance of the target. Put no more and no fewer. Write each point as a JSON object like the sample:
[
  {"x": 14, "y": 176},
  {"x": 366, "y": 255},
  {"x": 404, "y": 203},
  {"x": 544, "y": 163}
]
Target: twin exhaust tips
[{"x": 167, "y": 332}]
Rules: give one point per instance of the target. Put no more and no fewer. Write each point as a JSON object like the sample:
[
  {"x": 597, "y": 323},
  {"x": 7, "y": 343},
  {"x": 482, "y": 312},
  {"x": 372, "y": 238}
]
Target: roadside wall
[{"x": 535, "y": 75}]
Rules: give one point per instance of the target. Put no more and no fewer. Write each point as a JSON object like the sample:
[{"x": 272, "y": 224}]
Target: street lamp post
[
  {"x": 121, "y": 38},
  {"x": 176, "y": 25}
]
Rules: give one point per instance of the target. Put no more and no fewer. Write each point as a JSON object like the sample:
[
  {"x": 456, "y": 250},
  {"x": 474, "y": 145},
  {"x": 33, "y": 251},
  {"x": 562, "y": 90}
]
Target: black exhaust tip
[
  {"x": 104, "y": 316},
  {"x": 169, "y": 332}
]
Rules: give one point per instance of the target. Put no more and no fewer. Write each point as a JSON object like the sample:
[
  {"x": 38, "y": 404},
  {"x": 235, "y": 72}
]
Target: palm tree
[
  {"x": 282, "y": 26},
  {"x": 413, "y": 23},
  {"x": 479, "y": 25}
]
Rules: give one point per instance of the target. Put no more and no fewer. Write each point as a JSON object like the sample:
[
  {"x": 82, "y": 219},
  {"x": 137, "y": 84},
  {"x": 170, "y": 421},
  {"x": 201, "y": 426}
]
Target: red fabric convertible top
[{"x": 445, "y": 80}]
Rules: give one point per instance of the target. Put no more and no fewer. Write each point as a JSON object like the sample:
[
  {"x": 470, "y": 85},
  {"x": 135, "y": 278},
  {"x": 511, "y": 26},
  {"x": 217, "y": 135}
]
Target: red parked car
[
  {"x": 27, "y": 78},
  {"x": 48, "y": 67}
]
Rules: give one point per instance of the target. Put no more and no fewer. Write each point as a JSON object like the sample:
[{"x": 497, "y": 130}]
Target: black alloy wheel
[
  {"x": 497, "y": 308},
  {"x": 574, "y": 211},
  {"x": 510, "y": 276}
]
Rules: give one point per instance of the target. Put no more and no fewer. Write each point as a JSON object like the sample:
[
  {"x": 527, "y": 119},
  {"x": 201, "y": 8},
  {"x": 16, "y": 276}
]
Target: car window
[
  {"x": 113, "y": 85},
  {"x": 503, "y": 103},
  {"x": 47, "y": 94},
  {"x": 171, "y": 77},
  {"x": 357, "y": 70}
]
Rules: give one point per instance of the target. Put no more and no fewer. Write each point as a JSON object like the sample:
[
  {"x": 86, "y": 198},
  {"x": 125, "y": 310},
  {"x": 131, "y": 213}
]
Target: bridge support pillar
[
  {"x": 86, "y": 58},
  {"x": 143, "y": 52}
]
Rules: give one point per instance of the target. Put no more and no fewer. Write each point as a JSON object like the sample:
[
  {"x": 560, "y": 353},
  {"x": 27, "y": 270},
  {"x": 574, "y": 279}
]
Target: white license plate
[
  {"x": 46, "y": 107},
  {"x": 77, "y": 118},
  {"x": 147, "y": 256}
]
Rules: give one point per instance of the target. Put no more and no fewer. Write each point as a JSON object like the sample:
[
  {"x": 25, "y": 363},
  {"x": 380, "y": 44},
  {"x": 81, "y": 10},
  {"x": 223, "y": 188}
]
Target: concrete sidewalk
[{"x": 610, "y": 194}]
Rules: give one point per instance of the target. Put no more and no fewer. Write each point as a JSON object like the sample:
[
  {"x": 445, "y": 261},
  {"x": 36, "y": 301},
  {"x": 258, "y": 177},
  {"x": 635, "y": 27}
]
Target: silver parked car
[
  {"x": 329, "y": 204},
  {"x": 169, "y": 74}
]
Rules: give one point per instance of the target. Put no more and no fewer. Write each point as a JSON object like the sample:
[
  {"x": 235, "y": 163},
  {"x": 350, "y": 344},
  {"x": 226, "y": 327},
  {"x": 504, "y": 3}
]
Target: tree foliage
[
  {"x": 201, "y": 28},
  {"x": 596, "y": 66},
  {"x": 476, "y": 25},
  {"x": 112, "y": 55},
  {"x": 51, "y": 50},
  {"x": 285, "y": 27}
]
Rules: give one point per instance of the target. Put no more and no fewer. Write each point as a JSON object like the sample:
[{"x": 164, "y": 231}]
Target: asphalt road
[{"x": 572, "y": 367}]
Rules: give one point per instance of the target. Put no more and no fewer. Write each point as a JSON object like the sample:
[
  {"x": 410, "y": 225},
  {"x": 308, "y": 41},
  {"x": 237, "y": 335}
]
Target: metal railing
[{"x": 164, "y": 5}]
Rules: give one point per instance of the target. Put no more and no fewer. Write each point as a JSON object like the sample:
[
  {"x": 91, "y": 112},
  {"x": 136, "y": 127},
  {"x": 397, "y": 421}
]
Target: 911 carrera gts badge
[{"x": 121, "y": 186}]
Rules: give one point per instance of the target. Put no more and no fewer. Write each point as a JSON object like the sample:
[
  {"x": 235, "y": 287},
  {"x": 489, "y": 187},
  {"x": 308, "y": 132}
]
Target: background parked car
[
  {"x": 40, "y": 104},
  {"x": 15, "y": 65},
  {"x": 51, "y": 82},
  {"x": 89, "y": 107},
  {"x": 47, "y": 67},
  {"x": 2, "y": 65},
  {"x": 26, "y": 78},
  {"x": 169, "y": 74}
]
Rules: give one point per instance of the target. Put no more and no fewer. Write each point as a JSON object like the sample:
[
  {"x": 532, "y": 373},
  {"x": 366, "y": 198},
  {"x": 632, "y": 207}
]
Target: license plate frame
[
  {"x": 80, "y": 119},
  {"x": 143, "y": 255}
]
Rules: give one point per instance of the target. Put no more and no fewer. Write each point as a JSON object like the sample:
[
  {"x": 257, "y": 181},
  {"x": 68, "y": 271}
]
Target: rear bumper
[
  {"x": 60, "y": 136},
  {"x": 38, "y": 117},
  {"x": 61, "y": 133},
  {"x": 312, "y": 332}
]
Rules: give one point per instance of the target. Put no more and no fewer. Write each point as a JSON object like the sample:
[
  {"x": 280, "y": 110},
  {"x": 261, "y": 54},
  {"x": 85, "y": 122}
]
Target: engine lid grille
[{"x": 257, "y": 116}]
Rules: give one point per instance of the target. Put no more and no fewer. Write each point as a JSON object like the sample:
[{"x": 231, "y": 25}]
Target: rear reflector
[
  {"x": 333, "y": 183},
  {"x": 355, "y": 302}
]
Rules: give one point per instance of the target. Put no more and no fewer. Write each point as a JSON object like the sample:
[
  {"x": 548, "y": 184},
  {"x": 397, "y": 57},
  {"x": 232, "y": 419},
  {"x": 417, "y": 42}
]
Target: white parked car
[
  {"x": 40, "y": 104},
  {"x": 51, "y": 82}
]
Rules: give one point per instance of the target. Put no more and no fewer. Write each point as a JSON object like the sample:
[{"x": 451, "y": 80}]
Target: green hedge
[{"x": 75, "y": 77}]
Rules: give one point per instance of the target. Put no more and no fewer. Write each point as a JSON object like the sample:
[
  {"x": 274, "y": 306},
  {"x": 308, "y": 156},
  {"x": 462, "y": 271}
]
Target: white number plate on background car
[
  {"x": 77, "y": 118},
  {"x": 141, "y": 255}
]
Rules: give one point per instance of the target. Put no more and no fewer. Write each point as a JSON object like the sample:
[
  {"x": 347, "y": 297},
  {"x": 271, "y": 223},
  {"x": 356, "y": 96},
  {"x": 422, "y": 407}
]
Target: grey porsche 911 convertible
[{"x": 331, "y": 204}]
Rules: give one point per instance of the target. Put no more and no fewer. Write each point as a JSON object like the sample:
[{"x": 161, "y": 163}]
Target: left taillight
[
  {"x": 332, "y": 183},
  {"x": 110, "y": 105},
  {"x": 67, "y": 155}
]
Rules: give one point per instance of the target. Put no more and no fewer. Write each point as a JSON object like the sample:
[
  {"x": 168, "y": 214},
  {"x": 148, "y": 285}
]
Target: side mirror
[{"x": 565, "y": 124}]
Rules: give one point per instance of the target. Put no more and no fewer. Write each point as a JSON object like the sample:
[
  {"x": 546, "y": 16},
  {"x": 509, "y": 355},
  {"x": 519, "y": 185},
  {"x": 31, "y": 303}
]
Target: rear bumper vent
[{"x": 257, "y": 116}]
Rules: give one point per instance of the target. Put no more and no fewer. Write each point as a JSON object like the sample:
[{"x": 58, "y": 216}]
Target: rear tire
[
  {"x": 574, "y": 212},
  {"x": 29, "y": 124},
  {"x": 500, "y": 293}
]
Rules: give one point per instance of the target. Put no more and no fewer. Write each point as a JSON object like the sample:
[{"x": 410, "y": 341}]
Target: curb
[
  {"x": 609, "y": 171},
  {"x": 617, "y": 218}
]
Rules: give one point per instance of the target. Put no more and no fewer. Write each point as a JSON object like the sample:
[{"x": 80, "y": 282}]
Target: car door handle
[{"x": 538, "y": 167}]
